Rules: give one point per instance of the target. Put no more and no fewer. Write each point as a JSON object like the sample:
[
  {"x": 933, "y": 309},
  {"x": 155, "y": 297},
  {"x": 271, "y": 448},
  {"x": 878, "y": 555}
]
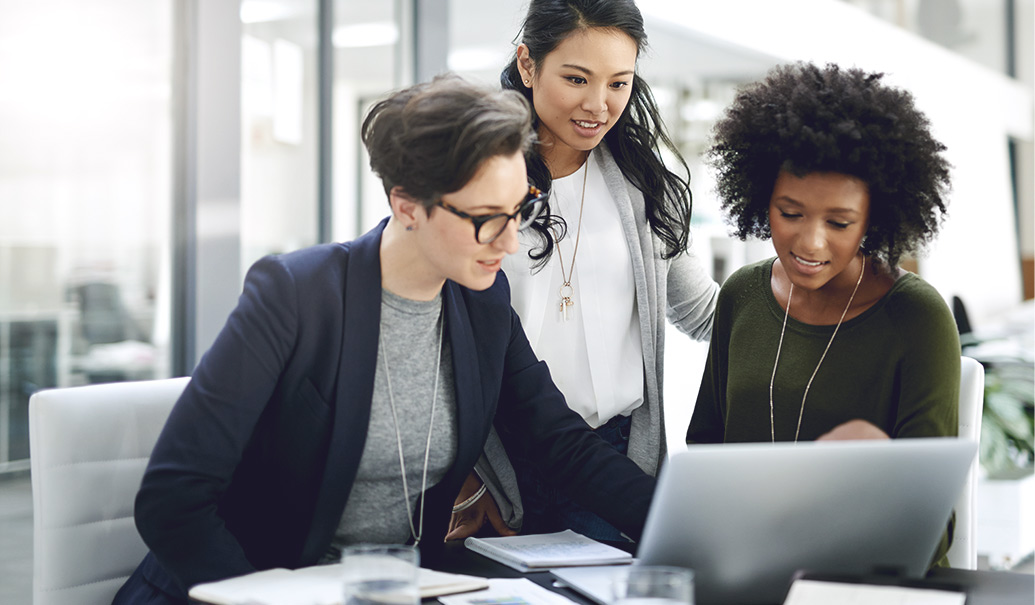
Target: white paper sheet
[
  {"x": 318, "y": 585},
  {"x": 814, "y": 592},
  {"x": 508, "y": 591}
]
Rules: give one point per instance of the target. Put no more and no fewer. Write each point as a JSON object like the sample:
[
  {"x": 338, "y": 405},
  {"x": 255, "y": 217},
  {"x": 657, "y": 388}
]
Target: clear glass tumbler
[
  {"x": 654, "y": 585},
  {"x": 380, "y": 574}
]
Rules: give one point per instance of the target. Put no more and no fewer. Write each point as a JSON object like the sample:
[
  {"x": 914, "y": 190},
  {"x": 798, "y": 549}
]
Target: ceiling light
[{"x": 360, "y": 35}]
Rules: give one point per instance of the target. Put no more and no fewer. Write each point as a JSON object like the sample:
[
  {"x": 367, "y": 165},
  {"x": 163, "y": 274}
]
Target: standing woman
[{"x": 593, "y": 288}]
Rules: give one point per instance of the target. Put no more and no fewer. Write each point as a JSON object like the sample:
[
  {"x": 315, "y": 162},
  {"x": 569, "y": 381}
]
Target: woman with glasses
[
  {"x": 352, "y": 389},
  {"x": 594, "y": 288}
]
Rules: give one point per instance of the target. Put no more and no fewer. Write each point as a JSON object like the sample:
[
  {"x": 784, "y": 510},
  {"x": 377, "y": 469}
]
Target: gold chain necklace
[
  {"x": 801, "y": 412},
  {"x": 566, "y": 291}
]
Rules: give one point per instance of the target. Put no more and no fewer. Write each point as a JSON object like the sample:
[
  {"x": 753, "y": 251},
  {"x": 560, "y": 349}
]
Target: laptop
[{"x": 745, "y": 517}]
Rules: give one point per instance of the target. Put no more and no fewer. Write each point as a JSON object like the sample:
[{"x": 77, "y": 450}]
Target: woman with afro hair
[{"x": 831, "y": 338}]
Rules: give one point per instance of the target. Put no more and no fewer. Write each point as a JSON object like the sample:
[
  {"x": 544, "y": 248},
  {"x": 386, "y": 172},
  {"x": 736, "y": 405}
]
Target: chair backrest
[
  {"x": 963, "y": 552},
  {"x": 88, "y": 450}
]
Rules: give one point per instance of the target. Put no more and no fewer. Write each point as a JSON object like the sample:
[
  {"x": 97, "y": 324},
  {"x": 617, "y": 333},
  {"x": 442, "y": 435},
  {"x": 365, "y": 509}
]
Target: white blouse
[{"x": 595, "y": 356}]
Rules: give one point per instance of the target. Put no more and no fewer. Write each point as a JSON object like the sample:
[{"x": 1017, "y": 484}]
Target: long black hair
[{"x": 633, "y": 140}]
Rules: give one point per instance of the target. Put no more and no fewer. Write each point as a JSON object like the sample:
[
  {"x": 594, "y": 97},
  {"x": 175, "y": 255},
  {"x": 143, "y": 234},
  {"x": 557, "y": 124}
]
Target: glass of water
[
  {"x": 381, "y": 574},
  {"x": 654, "y": 585}
]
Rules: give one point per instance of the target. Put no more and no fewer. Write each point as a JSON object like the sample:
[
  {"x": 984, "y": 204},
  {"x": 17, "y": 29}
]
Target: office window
[
  {"x": 976, "y": 29},
  {"x": 279, "y": 164},
  {"x": 372, "y": 42},
  {"x": 85, "y": 164},
  {"x": 481, "y": 36}
]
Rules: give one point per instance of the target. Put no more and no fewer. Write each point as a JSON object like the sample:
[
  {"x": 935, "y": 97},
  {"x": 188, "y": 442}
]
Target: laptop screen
[{"x": 746, "y": 516}]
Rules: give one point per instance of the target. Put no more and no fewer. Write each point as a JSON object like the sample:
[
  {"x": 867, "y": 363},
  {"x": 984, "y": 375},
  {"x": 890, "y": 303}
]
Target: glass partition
[
  {"x": 85, "y": 164},
  {"x": 371, "y": 57},
  {"x": 279, "y": 146}
]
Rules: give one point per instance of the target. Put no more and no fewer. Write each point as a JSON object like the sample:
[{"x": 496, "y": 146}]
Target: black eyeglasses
[{"x": 487, "y": 227}]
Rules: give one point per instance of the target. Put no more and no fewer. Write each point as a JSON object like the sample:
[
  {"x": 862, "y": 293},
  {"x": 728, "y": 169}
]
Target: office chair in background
[
  {"x": 88, "y": 449},
  {"x": 963, "y": 552},
  {"x": 109, "y": 344}
]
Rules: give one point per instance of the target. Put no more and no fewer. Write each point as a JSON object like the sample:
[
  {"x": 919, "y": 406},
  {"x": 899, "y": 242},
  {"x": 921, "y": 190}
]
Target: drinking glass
[
  {"x": 654, "y": 585},
  {"x": 379, "y": 574}
]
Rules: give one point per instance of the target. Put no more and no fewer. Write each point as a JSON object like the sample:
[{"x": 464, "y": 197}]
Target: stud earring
[
  {"x": 409, "y": 227},
  {"x": 526, "y": 82}
]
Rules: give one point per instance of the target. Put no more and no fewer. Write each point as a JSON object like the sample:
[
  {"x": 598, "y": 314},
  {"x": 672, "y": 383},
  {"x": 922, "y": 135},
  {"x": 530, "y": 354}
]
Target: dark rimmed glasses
[{"x": 487, "y": 227}]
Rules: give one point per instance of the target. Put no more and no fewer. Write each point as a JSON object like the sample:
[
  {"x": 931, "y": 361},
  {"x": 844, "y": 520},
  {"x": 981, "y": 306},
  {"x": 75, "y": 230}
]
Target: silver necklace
[
  {"x": 779, "y": 347},
  {"x": 419, "y": 531},
  {"x": 566, "y": 291}
]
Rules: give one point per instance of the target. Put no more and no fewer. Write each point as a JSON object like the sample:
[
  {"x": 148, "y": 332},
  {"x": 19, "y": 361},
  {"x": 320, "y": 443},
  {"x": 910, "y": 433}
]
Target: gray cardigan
[{"x": 679, "y": 289}]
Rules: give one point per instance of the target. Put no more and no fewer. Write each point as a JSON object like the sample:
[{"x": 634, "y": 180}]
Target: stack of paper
[{"x": 813, "y": 592}]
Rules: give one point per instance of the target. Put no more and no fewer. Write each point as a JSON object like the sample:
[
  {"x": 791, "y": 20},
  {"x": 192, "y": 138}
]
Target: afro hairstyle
[{"x": 804, "y": 119}]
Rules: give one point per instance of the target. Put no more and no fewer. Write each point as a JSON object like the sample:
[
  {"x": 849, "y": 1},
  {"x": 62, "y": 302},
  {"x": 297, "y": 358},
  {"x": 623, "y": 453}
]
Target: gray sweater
[{"x": 414, "y": 346}]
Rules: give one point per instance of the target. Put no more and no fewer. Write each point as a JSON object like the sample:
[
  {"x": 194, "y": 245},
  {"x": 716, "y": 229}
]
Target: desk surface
[
  {"x": 989, "y": 587},
  {"x": 982, "y": 587}
]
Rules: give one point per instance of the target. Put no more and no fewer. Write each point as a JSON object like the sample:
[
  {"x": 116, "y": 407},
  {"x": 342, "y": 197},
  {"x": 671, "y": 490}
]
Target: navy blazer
[{"x": 255, "y": 464}]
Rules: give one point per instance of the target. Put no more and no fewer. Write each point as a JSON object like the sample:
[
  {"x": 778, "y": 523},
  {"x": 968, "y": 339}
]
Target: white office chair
[
  {"x": 963, "y": 552},
  {"x": 88, "y": 449}
]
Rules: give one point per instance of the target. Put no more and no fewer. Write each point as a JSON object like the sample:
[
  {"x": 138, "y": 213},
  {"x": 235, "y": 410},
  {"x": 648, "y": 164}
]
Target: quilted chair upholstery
[{"x": 88, "y": 450}]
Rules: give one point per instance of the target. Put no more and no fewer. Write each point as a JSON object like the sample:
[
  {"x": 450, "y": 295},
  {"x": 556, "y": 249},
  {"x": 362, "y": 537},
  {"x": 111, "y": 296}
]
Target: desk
[
  {"x": 982, "y": 587},
  {"x": 989, "y": 587}
]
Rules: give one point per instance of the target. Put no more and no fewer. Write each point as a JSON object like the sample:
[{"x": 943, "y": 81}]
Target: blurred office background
[{"x": 151, "y": 150}]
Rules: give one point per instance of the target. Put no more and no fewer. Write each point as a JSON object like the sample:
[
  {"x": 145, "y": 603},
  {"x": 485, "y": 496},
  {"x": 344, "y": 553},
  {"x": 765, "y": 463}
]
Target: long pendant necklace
[
  {"x": 801, "y": 412},
  {"x": 419, "y": 531},
  {"x": 566, "y": 291}
]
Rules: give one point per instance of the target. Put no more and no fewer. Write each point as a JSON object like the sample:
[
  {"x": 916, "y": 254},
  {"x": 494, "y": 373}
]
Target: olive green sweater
[{"x": 896, "y": 365}]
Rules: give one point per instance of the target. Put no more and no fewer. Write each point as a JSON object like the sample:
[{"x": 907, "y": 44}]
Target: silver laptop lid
[{"x": 746, "y": 516}]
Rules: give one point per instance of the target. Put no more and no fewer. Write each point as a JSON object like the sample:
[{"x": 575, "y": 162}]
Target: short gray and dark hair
[{"x": 431, "y": 138}]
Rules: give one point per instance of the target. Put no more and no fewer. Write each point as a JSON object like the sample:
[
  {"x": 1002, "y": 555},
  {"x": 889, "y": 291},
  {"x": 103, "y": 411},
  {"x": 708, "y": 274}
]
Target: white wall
[{"x": 973, "y": 110}]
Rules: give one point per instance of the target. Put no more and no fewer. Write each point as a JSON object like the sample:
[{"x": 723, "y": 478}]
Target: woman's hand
[
  {"x": 469, "y": 516},
  {"x": 853, "y": 429}
]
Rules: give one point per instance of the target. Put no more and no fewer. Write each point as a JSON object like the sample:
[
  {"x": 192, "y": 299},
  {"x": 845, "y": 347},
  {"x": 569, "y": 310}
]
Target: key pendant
[{"x": 567, "y": 302}]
